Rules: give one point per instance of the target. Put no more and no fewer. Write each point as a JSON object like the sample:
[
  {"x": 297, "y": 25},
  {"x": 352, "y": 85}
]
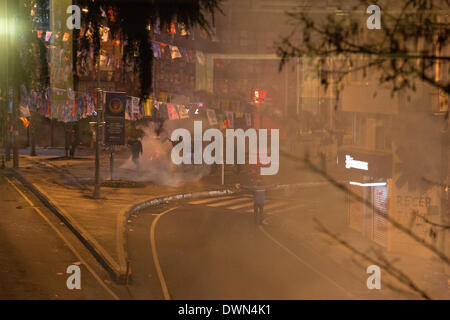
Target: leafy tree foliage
[
  {"x": 411, "y": 45},
  {"x": 129, "y": 20}
]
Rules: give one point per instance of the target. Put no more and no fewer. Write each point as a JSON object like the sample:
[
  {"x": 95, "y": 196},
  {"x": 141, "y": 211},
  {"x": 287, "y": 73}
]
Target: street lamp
[
  {"x": 97, "y": 183},
  {"x": 8, "y": 22}
]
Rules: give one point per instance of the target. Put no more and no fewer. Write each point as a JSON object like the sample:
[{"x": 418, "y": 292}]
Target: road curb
[
  {"x": 122, "y": 235},
  {"x": 91, "y": 244},
  {"x": 118, "y": 271}
]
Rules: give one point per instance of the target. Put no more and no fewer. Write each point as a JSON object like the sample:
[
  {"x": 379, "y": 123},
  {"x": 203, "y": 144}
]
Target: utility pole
[
  {"x": 32, "y": 139},
  {"x": 7, "y": 89},
  {"x": 97, "y": 193},
  {"x": 15, "y": 97}
]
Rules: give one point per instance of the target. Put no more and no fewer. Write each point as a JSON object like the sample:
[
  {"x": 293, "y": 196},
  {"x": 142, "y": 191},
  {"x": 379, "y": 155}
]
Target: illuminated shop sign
[
  {"x": 352, "y": 163},
  {"x": 370, "y": 163},
  {"x": 370, "y": 184}
]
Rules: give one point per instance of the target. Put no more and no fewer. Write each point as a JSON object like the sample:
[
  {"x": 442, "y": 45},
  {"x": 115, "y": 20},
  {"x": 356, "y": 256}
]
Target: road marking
[
  {"x": 288, "y": 209},
  {"x": 75, "y": 252},
  {"x": 304, "y": 262},
  {"x": 271, "y": 206},
  {"x": 240, "y": 206},
  {"x": 224, "y": 203},
  {"x": 159, "y": 272},
  {"x": 209, "y": 200}
]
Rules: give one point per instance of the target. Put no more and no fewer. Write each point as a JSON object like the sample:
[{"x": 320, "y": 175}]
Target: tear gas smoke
[{"x": 155, "y": 164}]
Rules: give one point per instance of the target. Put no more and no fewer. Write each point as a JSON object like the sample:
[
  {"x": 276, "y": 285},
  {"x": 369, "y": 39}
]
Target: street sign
[{"x": 115, "y": 103}]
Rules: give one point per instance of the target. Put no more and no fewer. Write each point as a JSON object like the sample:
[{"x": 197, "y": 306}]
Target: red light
[{"x": 259, "y": 96}]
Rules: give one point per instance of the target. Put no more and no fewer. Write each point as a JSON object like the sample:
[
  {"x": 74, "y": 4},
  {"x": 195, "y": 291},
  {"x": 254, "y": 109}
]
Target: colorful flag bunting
[
  {"x": 135, "y": 105},
  {"x": 174, "y": 52},
  {"x": 148, "y": 107},
  {"x": 173, "y": 29},
  {"x": 48, "y": 35},
  {"x": 183, "y": 112},
  {"x": 156, "y": 49},
  {"x": 25, "y": 121},
  {"x": 66, "y": 37},
  {"x": 172, "y": 112}
]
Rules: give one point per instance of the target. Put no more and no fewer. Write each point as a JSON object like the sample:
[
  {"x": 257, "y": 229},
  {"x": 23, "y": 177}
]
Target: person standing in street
[
  {"x": 67, "y": 135},
  {"x": 259, "y": 199},
  {"x": 136, "y": 151},
  {"x": 74, "y": 143}
]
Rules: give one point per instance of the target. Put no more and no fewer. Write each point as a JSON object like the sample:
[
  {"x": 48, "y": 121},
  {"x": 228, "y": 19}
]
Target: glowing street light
[{"x": 8, "y": 33}]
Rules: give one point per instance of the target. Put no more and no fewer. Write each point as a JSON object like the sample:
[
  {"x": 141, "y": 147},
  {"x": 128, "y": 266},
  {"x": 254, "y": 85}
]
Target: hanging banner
[
  {"x": 25, "y": 111},
  {"x": 115, "y": 118},
  {"x": 66, "y": 37},
  {"x": 156, "y": 49},
  {"x": 163, "y": 112},
  {"x": 183, "y": 112},
  {"x": 135, "y": 105},
  {"x": 48, "y": 36},
  {"x": 25, "y": 121},
  {"x": 175, "y": 52},
  {"x": 148, "y": 107},
  {"x": 172, "y": 112},
  {"x": 211, "y": 114}
]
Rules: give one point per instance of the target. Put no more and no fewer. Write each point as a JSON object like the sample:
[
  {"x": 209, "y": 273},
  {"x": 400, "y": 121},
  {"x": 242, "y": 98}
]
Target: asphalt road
[
  {"x": 36, "y": 249},
  {"x": 211, "y": 249}
]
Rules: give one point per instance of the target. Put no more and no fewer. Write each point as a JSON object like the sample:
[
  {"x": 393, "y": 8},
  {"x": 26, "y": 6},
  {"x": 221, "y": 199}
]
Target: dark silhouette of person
[
  {"x": 75, "y": 141},
  {"x": 68, "y": 141},
  {"x": 136, "y": 151},
  {"x": 259, "y": 199}
]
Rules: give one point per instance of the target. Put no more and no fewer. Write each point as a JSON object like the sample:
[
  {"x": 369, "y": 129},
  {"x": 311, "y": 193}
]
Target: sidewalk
[
  {"x": 66, "y": 187},
  {"x": 427, "y": 274}
]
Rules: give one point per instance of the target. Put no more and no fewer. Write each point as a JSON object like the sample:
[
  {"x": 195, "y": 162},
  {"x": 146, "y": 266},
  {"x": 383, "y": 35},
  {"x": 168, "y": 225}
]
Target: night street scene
[{"x": 225, "y": 150}]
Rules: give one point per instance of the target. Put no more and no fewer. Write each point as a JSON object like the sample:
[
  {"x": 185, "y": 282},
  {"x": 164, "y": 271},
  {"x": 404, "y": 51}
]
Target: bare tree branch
[
  {"x": 392, "y": 221},
  {"x": 386, "y": 265}
]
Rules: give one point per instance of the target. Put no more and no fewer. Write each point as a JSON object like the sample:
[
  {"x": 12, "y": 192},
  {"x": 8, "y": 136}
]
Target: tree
[
  {"x": 129, "y": 20},
  {"x": 411, "y": 45}
]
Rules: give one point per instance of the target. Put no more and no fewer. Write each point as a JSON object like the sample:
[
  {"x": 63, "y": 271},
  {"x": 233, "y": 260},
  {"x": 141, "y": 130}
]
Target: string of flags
[
  {"x": 58, "y": 104},
  {"x": 71, "y": 106},
  {"x": 50, "y": 36},
  {"x": 162, "y": 50}
]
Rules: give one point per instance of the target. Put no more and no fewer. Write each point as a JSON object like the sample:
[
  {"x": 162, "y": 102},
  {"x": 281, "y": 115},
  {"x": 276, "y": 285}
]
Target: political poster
[{"x": 115, "y": 104}]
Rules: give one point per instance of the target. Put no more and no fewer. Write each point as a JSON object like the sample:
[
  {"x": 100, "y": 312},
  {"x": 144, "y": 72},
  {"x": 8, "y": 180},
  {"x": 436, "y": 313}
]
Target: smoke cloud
[{"x": 155, "y": 164}]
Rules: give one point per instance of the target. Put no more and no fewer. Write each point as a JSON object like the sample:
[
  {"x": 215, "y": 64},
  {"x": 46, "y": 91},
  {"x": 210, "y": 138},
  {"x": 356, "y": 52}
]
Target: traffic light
[
  {"x": 225, "y": 124},
  {"x": 259, "y": 96}
]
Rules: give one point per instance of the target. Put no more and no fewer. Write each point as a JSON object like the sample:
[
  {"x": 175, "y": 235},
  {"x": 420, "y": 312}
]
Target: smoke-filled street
[{"x": 257, "y": 152}]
